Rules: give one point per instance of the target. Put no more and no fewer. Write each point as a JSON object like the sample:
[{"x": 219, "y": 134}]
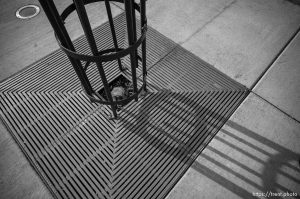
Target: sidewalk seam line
[
  {"x": 290, "y": 116},
  {"x": 208, "y": 22},
  {"x": 275, "y": 59}
]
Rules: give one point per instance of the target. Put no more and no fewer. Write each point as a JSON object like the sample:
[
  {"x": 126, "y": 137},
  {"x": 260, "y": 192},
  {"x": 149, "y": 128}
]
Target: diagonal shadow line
[
  {"x": 246, "y": 143},
  {"x": 204, "y": 121},
  {"x": 232, "y": 160},
  {"x": 296, "y": 2},
  {"x": 267, "y": 142},
  {"x": 223, "y": 155},
  {"x": 255, "y": 147},
  {"x": 275, "y": 162},
  {"x": 260, "y": 150},
  {"x": 239, "y": 149},
  {"x": 248, "y": 181},
  {"x": 238, "y": 190},
  {"x": 268, "y": 176},
  {"x": 229, "y": 170}
]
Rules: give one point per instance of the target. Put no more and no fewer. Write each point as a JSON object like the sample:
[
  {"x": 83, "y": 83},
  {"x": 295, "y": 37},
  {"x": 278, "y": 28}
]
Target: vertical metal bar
[
  {"x": 113, "y": 32},
  {"x": 63, "y": 36},
  {"x": 134, "y": 29},
  {"x": 130, "y": 30},
  {"x": 143, "y": 22},
  {"x": 83, "y": 17},
  {"x": 85, "y": 23}
]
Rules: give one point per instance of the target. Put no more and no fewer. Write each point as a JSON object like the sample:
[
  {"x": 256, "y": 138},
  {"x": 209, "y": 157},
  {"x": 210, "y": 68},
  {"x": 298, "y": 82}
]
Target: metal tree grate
[{"x": 79, "y": 153}]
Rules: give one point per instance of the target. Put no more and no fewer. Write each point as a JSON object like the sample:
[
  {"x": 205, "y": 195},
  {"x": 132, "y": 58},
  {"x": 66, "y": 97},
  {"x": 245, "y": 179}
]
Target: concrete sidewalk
[
  {"x": 258, "y": 150},
  {"x": 254, "y": 42}
]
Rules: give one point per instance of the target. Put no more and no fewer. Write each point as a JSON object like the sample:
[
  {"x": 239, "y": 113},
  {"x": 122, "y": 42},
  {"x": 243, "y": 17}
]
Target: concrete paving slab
[
  {"x": 179, "y": 19},
  {"x": 281, "y": 84},
  {"x": 243, "y": 40},
  {"x": 256, "y": 152},
  {"x": 17, "y": 178},
  {"x": 26, "y": 41}
]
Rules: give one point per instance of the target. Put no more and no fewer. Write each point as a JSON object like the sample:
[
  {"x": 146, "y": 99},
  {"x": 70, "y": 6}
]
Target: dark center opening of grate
[{"x": 121, "y": 88}]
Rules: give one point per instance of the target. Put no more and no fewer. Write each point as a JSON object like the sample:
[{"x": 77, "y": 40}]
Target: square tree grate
[{"x": 80, "y": 153}]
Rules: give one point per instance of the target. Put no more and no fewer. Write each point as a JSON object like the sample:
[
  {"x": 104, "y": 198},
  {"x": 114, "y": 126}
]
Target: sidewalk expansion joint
[{"x": 282, "y": 111}]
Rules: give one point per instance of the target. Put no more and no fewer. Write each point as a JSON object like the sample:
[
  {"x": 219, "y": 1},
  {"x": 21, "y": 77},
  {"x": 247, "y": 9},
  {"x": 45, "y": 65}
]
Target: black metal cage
[{"x": 113, "y": 97}]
